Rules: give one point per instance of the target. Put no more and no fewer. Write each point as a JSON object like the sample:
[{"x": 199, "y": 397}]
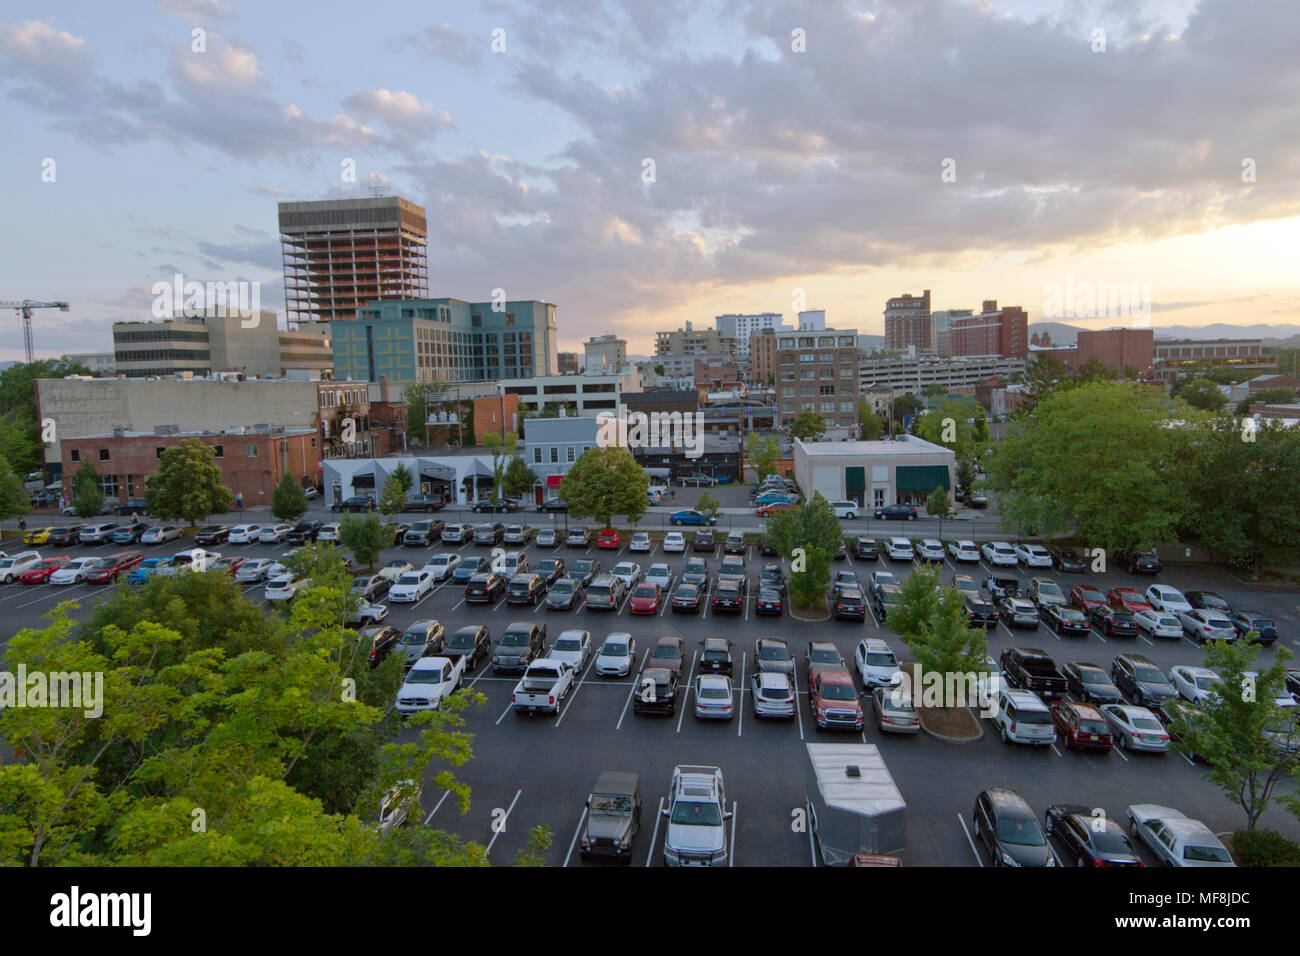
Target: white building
[
  {"x": 589, "y": 393},
  {"x": 741, "y": 327},
  {"x": 901, "y": 470}
]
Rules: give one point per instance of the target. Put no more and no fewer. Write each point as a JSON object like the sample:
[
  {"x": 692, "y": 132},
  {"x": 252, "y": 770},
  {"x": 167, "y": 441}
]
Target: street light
[{"x": 501, "y": 390}]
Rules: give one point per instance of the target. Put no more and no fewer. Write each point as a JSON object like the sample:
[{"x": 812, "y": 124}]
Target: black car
[
  {"x": 865, "y": 549},
  {"x": 687, "y": 598},
  {"x": 1114, "y": 621},
  {"x": 378, "y": 641},
  {"x": 521, "y": 643},
  {"x": 399, "y": 532},
  {"x": 525, "y": 589},
  {"x": 370, "y": 587},
  {"x": 896, "y": 512},
  {"x": 1244, "y": 621},
  {"x": 470, "y": 642},
  {"x": 136, "y": 506},
  {"x": 564, "y": 595},
  {"x": 355, "y": 503},
  {"x": 212, "y": 534},
  {"x": 426, "y": 502},
  {"x": 703, "y": 540},
  {"x": 485, "y": 588},
  {"x": 1207, "y": 601},
  {"x": 554, "y": 504},
  {"x": 1087, "y": 839},
  {"x": 716, "y": 656},
  {"x": 1064, "y": 619},
  {"x": 303, "y": 532},
  {"x": 766, "y": 549},
  {"x": 503, "y": 506},
  {"x": 1006, "y": 826},
  {"x": 735, "y": 543},
  {"x": 1141, "y": 681},
  {"x": 768, "y": 601},
  {"x": 850, "y": 604},
  {"x": 729, "y": 596},
  {"x": 1068, "y": 560},
  {"x": 883, "y": 596},
  {"x": 584, "y": 570},
  {"x": 979, "y": 612},
  {"x": 66, "y": 536},
  {"x": 655, "y": 692},
  {"x": 772, "y": 578},
  {"x": 697, "y": 572},
  {"x": 1139, "y": 562},
  {"x": 551, "y": 570},
  {"x": 1090, "y": 683},
  {"x": 469, "y": 567},
  {"x": 130, "y": 533}
]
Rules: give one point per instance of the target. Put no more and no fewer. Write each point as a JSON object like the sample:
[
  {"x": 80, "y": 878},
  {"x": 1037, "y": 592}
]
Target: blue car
[
  {"x": 690, "y": 516},
  {"x": 772, "y": 497},
  {"x": 142, "y": 571}
]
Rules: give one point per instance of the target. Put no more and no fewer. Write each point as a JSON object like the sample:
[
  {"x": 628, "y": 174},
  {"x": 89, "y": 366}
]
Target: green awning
[{"x": 921, "y": 477}]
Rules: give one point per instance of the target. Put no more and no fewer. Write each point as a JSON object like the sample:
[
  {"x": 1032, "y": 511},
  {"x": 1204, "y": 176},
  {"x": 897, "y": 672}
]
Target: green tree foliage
[
  {"x": 870, "y": 424},
  {"x": 1203, "y": 394},
  {"x": 501, "y": 449},
  {"x": 808, "y": 425},
  {"x": 404, "y": 478},
  {"x": 187, "y": 485},
  {"x": 1241, "y": 732},
  {"x": 813, "y": 528},
  {"x": 519, "y": 479},
  {"x": 763, "y": 452},
  {"x": 365, "y": 536},
  {"x": 20, "y": 432},
  {"x": 904, "y": 405},
  {"x": 1096, "y": 459},
  {"x": 939, "y": 505},
  {"x": 288, "y": 500},
  {"x": 708, "y": 505},
  {"x": 1043, "y": 373},
  {"x": 392, "y": 496},
  {"x": 933, "y": 625},
  {"x": 605, "y": 482},
  {"x": 966, "y": 476},
  {"x": 87, "y": 499},
  {"x": 948, "y": 423},
  {"x": 1094, "y": 370},
  {"x": 14, "y": 500},
  {"x": 1269, "y": 396}
]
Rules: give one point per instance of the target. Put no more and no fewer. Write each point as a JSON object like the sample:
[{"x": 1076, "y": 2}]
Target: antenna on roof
[{"x": 377, "y": 191}]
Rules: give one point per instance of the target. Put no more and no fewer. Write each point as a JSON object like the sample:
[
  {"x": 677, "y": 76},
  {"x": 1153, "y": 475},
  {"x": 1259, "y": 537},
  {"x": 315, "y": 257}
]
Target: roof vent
[{"x": 852, "y": 771}]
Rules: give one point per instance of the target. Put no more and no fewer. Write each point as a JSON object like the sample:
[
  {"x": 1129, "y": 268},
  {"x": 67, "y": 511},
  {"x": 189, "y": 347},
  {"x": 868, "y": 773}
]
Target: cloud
[
  {"x": 399, "y": 110},
  {"x": 199, "y": 9},
  {"x": 441, "y": 43}
]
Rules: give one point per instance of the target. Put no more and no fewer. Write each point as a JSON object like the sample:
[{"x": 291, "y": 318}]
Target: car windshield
[
  {"x": 1092, "y": 727},
  {"x": 716, "y": 654},
  {"x": 547, "y": 564},
  {"x": 666, "y": 650},
  {"x": 409, "y": 579},
  {"x": 600, "y": 803},
  {"x": 1071, "y": 614},
  {"x": 1146, "y": 723},
  {"x": 562, "y": 587},
  {"x": 881, "y": 659},
  {"x": 714, "y": 693},
  {"x": 1206, "y": 854},
  {"x": 696, "y": 814},
  {"x": 102, "y": 563},
  {"x": 424, "y": 677},
  {"x": 1150, "y": 675},
  {"x": 838, "y": 692},
  {"x": 461, "y": 640},
  {"x": 441, "y": 560},
  {"x": 1020, "y": 831},
  {"x": 819, "y": 655},
  {"x": 687, "y": 591},
  {"x": 775, "y": 693},
  {"x": 773, "y": 652},
  {"x": 414, "y": 637},
  {"x": 567, "y": 644},
  {"x": 1047, "y": 587},
  {"x": 1089, "y": 676},
  {"x": 613, "y": 650},
  {"x": 517, "y": 639}
]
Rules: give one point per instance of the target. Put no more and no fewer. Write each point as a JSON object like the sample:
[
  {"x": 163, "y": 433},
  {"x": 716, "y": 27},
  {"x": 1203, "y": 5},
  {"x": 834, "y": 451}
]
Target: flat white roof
[{"x": 877, "y": 449}]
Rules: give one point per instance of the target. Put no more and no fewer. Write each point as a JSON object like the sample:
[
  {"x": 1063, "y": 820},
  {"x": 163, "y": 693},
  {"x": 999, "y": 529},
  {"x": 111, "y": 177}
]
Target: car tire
[{"x": 1002, "y": 730}]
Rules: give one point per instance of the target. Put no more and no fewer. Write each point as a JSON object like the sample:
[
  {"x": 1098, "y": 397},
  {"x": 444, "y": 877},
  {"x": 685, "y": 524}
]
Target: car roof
[{"x": 1006, "y": 798}]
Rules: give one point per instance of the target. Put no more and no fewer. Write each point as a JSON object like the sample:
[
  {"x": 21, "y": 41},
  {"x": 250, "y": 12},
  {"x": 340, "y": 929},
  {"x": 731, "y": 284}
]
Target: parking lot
[{"x": 538, "y": 770}]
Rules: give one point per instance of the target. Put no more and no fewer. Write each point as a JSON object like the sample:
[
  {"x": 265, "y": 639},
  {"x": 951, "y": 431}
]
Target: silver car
[
  {"x": 773, "y": 694},
  {"x": 422, "y": 639},
  {"x": 714, "y": 698},
  {"x": 1136, "y": 728}
]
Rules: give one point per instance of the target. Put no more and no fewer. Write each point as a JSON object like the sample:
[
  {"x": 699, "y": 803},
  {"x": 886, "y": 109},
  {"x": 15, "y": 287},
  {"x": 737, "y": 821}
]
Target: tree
[
  {"x": 366, "y": 536},
  {"x": 420, "y": 397},
  {"x": 1269, "y": 396},
  {"x": 519, "y": 479},
  {"x": 1043, "y": 373},
  {"x": 392, "y": 496},
  {"x": 708, "y": 505},
  {"x": 939, "y": 505},
  {"x": 659, "y": 370},
  {"x": 14, "y": 500},
  {"x": 1203, "y": 394},
  {"x": 808, "y": 425},
  {"x": 605, "y": 482},
  {"x": 948, "y": 423},
  {"x": 815, "y": 530},
  {"x": 763, "y": 452},
  {"x": 1240, "y": 731},
  {"x": 905, "y": 405},
  {"x": 870, "y": 425},
  {"x": 932, "y": 623},
  {"x": 501, "y": 449},
  {"x": 187, "y": 485},
  {"x": 1097, "y": 459},
  {"x": 20, "y": 431},
  {"x": 288, "y": 500},
  {"x": 1132, "y": 373},
  {"x": 87, "y": 499},
  {"x": 966, "y": 476},
  {"x": 1094, "y": 370}
]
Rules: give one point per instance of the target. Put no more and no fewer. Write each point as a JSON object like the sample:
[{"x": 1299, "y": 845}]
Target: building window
[
  {"x": 74, "y": 454},
  {"x": 555, "y": 455},
  {"x": 571, "y": 454},
  {"x": 250, "y": 450},
  {"x": 218, "y": 451},
  {"x": 103, "y": 454},
  {"x": 537, "y": 456},
  {"x": 826, "y": 390}
]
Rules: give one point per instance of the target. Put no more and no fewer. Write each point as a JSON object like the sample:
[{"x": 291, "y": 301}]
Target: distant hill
[{"x": 1063, "y": 334}]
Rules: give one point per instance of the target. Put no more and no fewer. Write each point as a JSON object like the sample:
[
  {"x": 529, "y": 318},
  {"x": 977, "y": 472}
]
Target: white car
[
  {"x": 367, "y": 614},
  {"x": 616, "y": 655},
  {"x": 1158, "y": 624},
  {"x": 639, "y": 542},
  {"x": 999, "y": 554},
  {"x": 160, "y": 533},
  {"x": 661, "y": 575},
  {"x": 1135, "y": 728},
  {"x": 546, "y": 538},
  {"x": 1162, "y": 597},
  {"x": 395, "y": 569},
  {"x": 876, "y": 663},
  {"x": 846, "y": 509},
  {"x": 1175, "y": 838},
  {"x": 899, "y": 549},
  {"x": 773, "y": 694},
  {"x": 16, "y": 564},
  {"x": 930, "y": 549},
  {"x": 1204, "y": 625},
  {"x": 573, "y": 647},
  {"x": 882, "y": 577},
  {"x": 1194, "y": 683},
  {"x": 274, "y": 533},
  {"x": 244, "y": 533},
  {"x": 428, "y": 683},
  {"x": 73, "y": 571},
  {"x": 630, "y": 573},
  {"x": 442, "y": 566},
  {"x": 254, "y": 570},
  {"x": 674, "y": 543},
  {"x": 328, "y": 532},
  {"x": 411, "y": 587},
  {"x": 1033, "y": 556},
  {"x": 283, "y": 587},
  {"x": 964, "y": 551}
]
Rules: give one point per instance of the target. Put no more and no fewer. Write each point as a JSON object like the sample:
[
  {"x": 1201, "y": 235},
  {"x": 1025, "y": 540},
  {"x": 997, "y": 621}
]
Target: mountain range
[{"x": 1063, "y": 334}]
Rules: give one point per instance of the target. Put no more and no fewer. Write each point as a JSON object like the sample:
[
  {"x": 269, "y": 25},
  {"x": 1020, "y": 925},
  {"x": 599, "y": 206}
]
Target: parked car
[
  {"x": 492, "y": 533},
  {"x": 1161, "y": 597},
  {"x": 883, "y": 596},
  {"x": 130, "y": 533},
  {"x": 850, "y": 604},
  {"x": 471, "y": 642},
  {"x": 1065, "y": 620},
  {"x": 772, "y": 694},
  {"x": 486, "y": 587},
  {"x": 894, "y": 712},
  {"x": 1114, "y": 621},
  {"x": 1033, "y": 556},
  {"x": 645, "y": 599},
  {"x": 1082, "y": 726},
  {"x": 457, "y": 532},
  {"x": 616, "y": 655},
  {"x": 714, "y": 697},
  {"x": 1091, "y": 684},
  {"x": 62, "y": 537},
  {"x": 606, "y": 593},
  {"x": 896, "y": 513},
  {"x": 584, "y": 570},
  {"x": 1158, "y": 624},
  {"x": 365, "y": 614},
  {"x": 422, "y": 639},
  {"x": 609, "y": 539},
  {"x": 274, "y": 533},
  {"x": 428, "y": 502},
  {"x": 656, "y": 691},
  {"x": 564, "y": 595},
  {"x": 377, "y": 642},
  {"x": 704, "y": 541},
  {"x": 899, "y": 549},
  {"x": 690, "y": 516},
  {"x": 1087, "y": 838},
  {"x": 329, "y": 532},
  {"x": 729, "y": 596},
  {"x": 669, "y": 652},
  {"x": 640, "y": 541},
  {"x": 429, "y": 682},
  {"x": 411, "y": 587},
  {"x": 1138, "y": 562},
  {"x": 15, "y": 564},
  {"x": 98, "y": 533},
  {"x": 526, "y": 588},
  {"x": 40, "y": 572},
  {"x": 1005, "y": 825},
  {"x": 73, "y": 572},
  {"x": 773, "y": 654},
  {"x": 964, "y": 551},
  {"x": 486, "y": 506},
  {"x": 357, "y": 503},
  {"x": 162, "y": 533},
  {"x": 370, "y": 587},
  {"x": 1068, "y": 561},
  {"x": 283, "y": 588},
  {"x": 999, "y": 554},
  {"x": 554, "y": 505},
  {"x": 1017, "y": 612},
  {"x": 769, "y": 602},
  {"x": 520, "y": 644},
  {"x": 1086, "y": 597},
  {"x": 876, "y": 663},
  {"x": 1253, "y": 622},
  {"x": 687, "y": 598},
  {"x": 1030, "y": 668},
  {"x": 1023, "y": 718},
  {"x": 578, "y": 537},
  {"x": 834, "y": 700},
  {"x": 254, "y": 571},
  {"x": 613, "y": 817},
  {"x": 1141, "y": 681},
  {"x": 699, "y": 480},
  {"x": 1174, "y": 838},
  {"x": 106, "y": 570},
  {"x": 1207, "y": 625},
  {"x": 547, "y": 538},
  {"x": 1129, "y": 599},
  {"x": 468, "y": 567},
  {"x": 135, "y": 506},
  {"x": 674, "y": 543},
  {"x": 1195, "y": 684}
]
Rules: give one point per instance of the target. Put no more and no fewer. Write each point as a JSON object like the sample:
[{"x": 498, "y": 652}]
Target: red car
[
  {"x": 775, "y": 507},
  {"x": 1086, "y": 597},
  {"x": 669, "y": 652},
  {"x": 39, "y": 573},
  {"x": 834, "y": 700},
  {"x": 106, "y": 570},
  {"x": 1129, "y": 599},
  {"x": 609, "y": 538},
  {"x": 230, "y": 564},
  {"x": 645, "y": 599},
  {"x": 1082, "y": 726}
]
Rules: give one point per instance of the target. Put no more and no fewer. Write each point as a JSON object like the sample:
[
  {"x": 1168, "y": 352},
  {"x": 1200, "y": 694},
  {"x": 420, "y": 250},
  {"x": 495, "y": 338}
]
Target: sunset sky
[{"x": 775, "y": 170}]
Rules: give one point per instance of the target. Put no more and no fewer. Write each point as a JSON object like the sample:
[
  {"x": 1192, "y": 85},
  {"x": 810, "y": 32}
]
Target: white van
[
  {"x": 1023, "y": 718},
  {"x": 656, "y": 493},
  {"x": 845, "y": 509}
]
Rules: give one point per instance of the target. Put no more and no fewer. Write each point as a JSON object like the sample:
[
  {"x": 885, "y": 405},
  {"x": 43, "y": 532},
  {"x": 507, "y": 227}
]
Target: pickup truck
[
  {"x": 429, "y": 681},
  {"x": 543, "y": 687},
  {"x": 1032, "y": 669}
]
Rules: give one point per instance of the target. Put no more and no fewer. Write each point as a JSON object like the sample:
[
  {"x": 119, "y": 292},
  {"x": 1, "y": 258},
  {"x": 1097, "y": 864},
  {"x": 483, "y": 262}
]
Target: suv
[
  {"x": 697, "y": 818},
  {"x": 1009, "y": 830},
  {"x": 525, "y": 588},
  {"x": 423, "y": 532},
  {"x": 136, "y": 506},
  {"x": 14, "y": 564},
  {"x": 425, "y": 502},
  {"x": 1023, "y": 718},
  {"x": 656, "y": 692},
  {"x": 605, "y": 593},
  {"x": 521, "y": 643},
  {"x": 1139, "y": 562},
  {"x": 613, "y": 818},
  {"x": 1141, "y": 681}
]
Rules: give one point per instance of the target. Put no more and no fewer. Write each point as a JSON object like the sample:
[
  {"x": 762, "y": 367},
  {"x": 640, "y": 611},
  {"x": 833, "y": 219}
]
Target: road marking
[
  {"x": 576, "y": 833},
  {"x": 654, "y": 837},
  {"x": 445, "y": 795},
  {"x": 631, "y": 690},
  {"x": 740, "y": 696},
  {"x": 687, "y": 696},
  {"x": 731, "y": 850},
  {"x": 812, "y": 845},
  {"x": 962, "y": 820},
  {"x": 503, "y": 822}
]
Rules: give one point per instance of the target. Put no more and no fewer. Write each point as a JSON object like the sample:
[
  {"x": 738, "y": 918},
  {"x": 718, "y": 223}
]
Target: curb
[
  {"x": 957, "y": 740},
  {"x": 824, "y": 617}
]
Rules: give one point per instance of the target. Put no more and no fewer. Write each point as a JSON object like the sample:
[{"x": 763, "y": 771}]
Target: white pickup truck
[
  {"x": 543, "y": 687},
  {"x": 429, "y": 681}
]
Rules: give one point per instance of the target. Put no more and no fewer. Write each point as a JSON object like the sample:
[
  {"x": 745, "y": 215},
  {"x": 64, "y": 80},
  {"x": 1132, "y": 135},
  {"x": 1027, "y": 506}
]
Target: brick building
[
  {"x": 1002, "y": 332},
  {"x": 907, "y": 322},
  {"x": 1118, "y": 349}
]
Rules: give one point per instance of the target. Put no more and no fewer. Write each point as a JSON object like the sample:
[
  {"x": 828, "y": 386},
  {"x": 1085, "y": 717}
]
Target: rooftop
[{"x": 903, "y": 445}]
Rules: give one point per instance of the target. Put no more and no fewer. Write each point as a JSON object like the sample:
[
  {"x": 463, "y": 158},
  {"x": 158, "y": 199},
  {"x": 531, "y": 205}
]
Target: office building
[
  {"x": 339, "y": 254},
  {"x": 812, "y": 320},
  {"x": 589, "y": 394},
  {"x": 218, "y": 341},
  {"x": 941, "y": 329},
  {"x": 566, "y": 363},
  {"x": 907, "y": 322},
  {"x": 742, "y": 327},
  {"x": 1002, "y": 332},
  {"x": 99, "y": 363},
  {"x": 901, "y": 470},
  {"x": 605, "y": 353},
  {"x": 1175, "y": 356},
  {"x": 818, "y": 370},
  {"x": 692, "y": 341}
]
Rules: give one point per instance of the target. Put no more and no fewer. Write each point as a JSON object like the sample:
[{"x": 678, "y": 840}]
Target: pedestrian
[
  {"x": 22, "y": 524},
  {"x": 239, "y": 501}
]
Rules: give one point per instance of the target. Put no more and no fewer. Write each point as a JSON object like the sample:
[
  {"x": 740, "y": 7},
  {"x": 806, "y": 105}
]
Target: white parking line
[
  {"x": 687, "y": 696},
  {"x": 572, "y": 843},
  {"x": 445, "y": 795},
  {"x": 502, "y": 826},
  {"x": 740, "y": 696},
  {"x": 654, "y": 837},
  {"x": 978, "y": 859},
  {"x": 631, "y": 690}
]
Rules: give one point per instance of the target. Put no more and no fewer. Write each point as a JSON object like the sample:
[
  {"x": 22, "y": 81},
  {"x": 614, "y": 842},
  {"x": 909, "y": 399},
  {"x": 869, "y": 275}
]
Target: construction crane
[{"x": 25, "y": 307}]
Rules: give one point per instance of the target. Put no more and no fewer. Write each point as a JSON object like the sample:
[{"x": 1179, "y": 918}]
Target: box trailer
[{"x": 853, "y": 803}]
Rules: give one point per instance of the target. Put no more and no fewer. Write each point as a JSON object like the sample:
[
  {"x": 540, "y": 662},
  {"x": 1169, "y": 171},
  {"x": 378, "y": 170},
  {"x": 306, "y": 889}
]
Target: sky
[{"x": 644, "y": 164}]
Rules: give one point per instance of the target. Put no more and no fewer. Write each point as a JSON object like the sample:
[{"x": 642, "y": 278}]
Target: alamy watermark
[
  {"x": 73, "y": 690},
  {"x": 947, "y": 689},
  {"x": 193, "y": 299},
  {"x": 664, "y": 430},
  {"x": 1097, "y": 300}
]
